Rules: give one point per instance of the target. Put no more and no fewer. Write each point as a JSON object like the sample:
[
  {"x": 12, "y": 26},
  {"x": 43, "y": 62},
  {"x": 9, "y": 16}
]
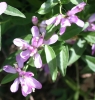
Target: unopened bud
[{"x": 34, "y": 20}]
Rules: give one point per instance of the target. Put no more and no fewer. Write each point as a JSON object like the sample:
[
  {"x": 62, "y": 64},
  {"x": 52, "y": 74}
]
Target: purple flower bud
[{"x": 34, "y": 20}]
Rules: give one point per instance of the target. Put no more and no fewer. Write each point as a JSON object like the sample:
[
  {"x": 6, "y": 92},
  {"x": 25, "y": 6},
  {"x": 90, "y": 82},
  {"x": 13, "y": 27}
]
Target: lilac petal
[
  {"x": 52, "y": 40},
  {"x": 43, "y": 24},
  {"x": 93, "y": 49},
  {"x": 46, "y": 68},
  {"x": 20, "y": 43},
  {"x": 15, "y": 85},
  {"x": 62, "y": 30},
  {"x": 76, "y": 20},
  {"x": 20, "y": 61},
  {"x": 51, "y": 21},
  {"x": 92, "y": 18},
  {"x": 65, "y": 22},
  {"x": 29, "y": 74},
  {"x": 58, "y": 20},
  {"x": 37, "y": 60},
  {"x": 25, "y": 55},
  {"x": 42, "y": 30},
  {"x": 33, "y": 83},
  {"x": 80, "y": 23},
  {"x": 9, "y": 69},
  {"x": 91, "y": 27},
  {"x": 3, "y": 7},
  {"x": 35, "y": 31},
  {"x": 76, "y": 9}
]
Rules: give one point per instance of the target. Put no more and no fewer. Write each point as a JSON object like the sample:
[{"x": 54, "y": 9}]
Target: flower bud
[{"x": 34, "y": 20}]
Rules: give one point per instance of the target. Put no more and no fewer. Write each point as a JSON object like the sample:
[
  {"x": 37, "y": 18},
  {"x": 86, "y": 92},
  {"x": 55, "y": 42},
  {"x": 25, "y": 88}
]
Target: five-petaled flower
[{"x": 28, "y": 83}]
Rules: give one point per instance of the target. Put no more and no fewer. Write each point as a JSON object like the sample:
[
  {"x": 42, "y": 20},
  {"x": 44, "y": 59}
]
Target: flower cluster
[{"x": 28, "y": 83}]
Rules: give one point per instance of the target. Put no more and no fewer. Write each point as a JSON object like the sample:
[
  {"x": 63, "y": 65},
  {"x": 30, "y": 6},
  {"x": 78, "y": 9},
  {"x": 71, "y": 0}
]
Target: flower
[
  {"x": 67, "y": 20},
  {"x": 32, "y": 50},
  {"x": 91, "y": 21},
  {"x": 93, "y": 49},
  {"x": 28, "y": 83},
  {"x": 3, "y": 7}
]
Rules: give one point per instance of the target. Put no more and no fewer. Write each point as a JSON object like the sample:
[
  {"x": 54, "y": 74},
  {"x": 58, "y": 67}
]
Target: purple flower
[
  {"x": 34, "y": 20},
  {"x": 3, "y": 7},
  {"x": 93, "y": 49},
  {"x": 67, "y": 20},
  {"x": 29, "y": 50},
  {"x": 28, "y": 83},
  {"x": 91, "y": 21}
]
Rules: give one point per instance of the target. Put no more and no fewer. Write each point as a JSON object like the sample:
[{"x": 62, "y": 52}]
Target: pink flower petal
[
  {"x": 37, "y": 60},
  {"x": 51, "y": 21},
  {"x": 25, "y": 55},
  {"x": 33, "y": 83},
  {"x": 80, "y": 23},
  {"x": 58, "y": 20},
  {"x": 20, "y": 43},
  {"x": 15, "y": 85},
  {"x": 35, "y": 31},
  {"x": 9, "y": 69},
  {"x": 52, "y": 40},
  {"x": 34, "y": 20},
  {"x": 62, "y": 30},
  {"x": 3, "y": 7},
  {"x": 76, "y": 9},
  {"x": 92, "y": 18}
]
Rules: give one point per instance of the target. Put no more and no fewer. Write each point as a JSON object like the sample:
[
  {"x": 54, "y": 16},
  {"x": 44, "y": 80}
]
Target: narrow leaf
[
  {"x": 9, "y": 78},
  {"x": 14, "y": 12},
  {"x": 51, "y": 60},
  {"x": 77, "y": 50},
  {"x": 63, "y": 58}
]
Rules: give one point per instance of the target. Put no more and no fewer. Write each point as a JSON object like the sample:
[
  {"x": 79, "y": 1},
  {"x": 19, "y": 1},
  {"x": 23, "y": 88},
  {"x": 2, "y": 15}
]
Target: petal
[
  {"x": 58, "y": 20},
  {"x": 20, "y": 43},
  {"x": 29, "y": 74},
  {"x": 80, "y": 23},
  {"x": 62, "y": 30},
  {"x": 35, "y": 31},
  {"x": 92, "y": 18},
  {"x": 52, "y": 40},
  {"x": 42, "y": 30},
  {"x": 43, "y": 24},
  {"x": 20, "y": 61},
  {"x": 15, "y": 85},
  {"x": 76, "y": 9},
  {"x": 91, "y": 27},
  {"x": 9, "y": 69},
  {"x": 93, "y": 49},
  {"x": 65, "y": 22},
  {"x": 33, "y": 83},
  {"x": 3, "y": 7},
  {"x": 37, "y": 60},
  {"x": 25, "y": 55},
  {"x": 51, "y": 21}
]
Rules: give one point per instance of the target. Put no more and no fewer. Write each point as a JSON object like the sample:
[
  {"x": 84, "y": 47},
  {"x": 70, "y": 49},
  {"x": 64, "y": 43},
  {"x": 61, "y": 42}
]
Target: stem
[{"x": 60, "y": 7}]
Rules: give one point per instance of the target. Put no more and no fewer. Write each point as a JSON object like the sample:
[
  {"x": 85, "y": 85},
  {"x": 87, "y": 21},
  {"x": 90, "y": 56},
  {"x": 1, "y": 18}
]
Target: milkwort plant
[{"x": 56, "y": 42}]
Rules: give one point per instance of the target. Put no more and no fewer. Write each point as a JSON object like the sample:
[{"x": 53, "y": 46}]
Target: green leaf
[
  {"x": 89, "y": 36},
  {"x": 90, "y": 62},
  {"x": 8, "y": 78},
  {"x": 65, "y": 1},
  {"x": 0, "y": 36},
  {"x": 51, "y": 60},
  {"x": 77, "y": 50},
  {"x": 76, "y": 2},
  {"x": 47, "y": 6},
  {"x": 63, "y": 58},
  {"x": 14, "y": 12},
  {"x": 85, "y": 26},
  {"x": 71, "y": 32}
]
